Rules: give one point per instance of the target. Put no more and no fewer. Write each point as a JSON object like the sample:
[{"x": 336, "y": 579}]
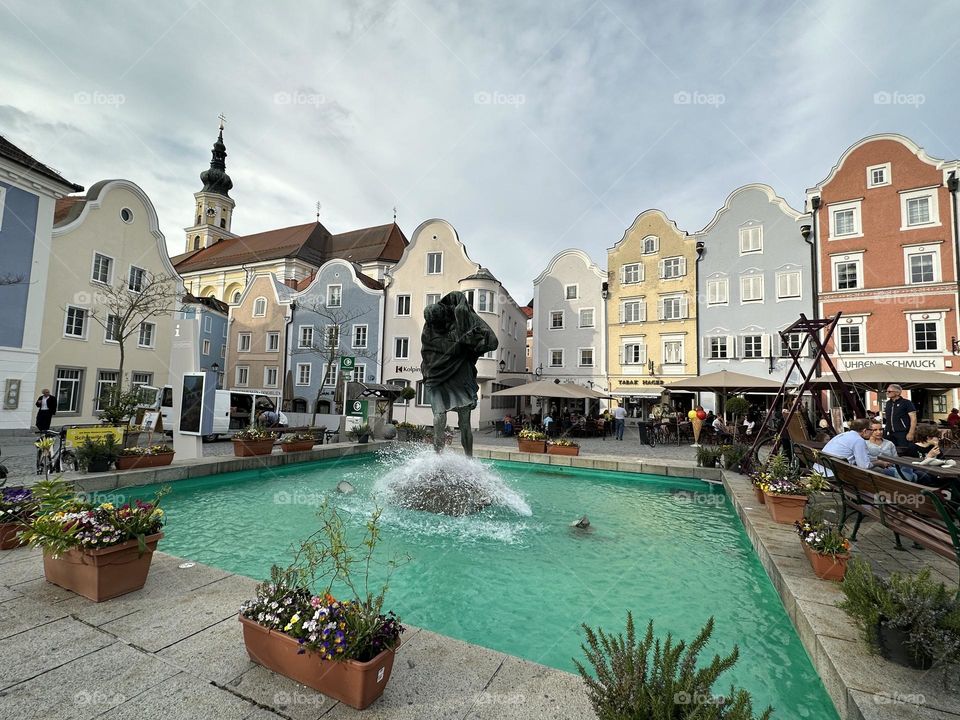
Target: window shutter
[
  {"x": 683, "y": 266},
  {"x": 659, "y": 309},
  {"x": 622, "y": 354},
  {"x": 663, "y": 268},
  {"x": 622, "y": 306},
  {"x": 623, "y": 274},
  {"x": 683, "y": 306},
  {"x": 641, "y": 272},
  {"x": 643, "y": 354},
  {"x": 705, "y": 347},
  {"x": 642, "y": 311},
  {"x": 731, "y": 346},
  {"x": 765, "y": 345}
]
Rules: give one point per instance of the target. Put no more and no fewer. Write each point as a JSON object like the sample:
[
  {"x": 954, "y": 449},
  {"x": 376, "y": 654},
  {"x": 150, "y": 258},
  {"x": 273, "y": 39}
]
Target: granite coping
[{"x": 862, "y": 686}]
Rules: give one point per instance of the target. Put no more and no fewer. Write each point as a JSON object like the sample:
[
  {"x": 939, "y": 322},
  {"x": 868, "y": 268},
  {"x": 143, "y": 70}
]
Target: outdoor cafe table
[{"x": 946, "y": 476}]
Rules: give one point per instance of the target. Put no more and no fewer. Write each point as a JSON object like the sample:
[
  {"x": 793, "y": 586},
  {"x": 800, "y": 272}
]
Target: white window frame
[
  {"x": 266, "y": 376},
  {"x": 110, "y": 269},
  {"x": 257, "y": 304},
  {"x": 671, "y": 339},
  {"x": 359, "y": 372},
  {"x": 926, "y": 317},
  {"x": 627, "y": 343},
  {"x": 84, "y": 326},
  {"x": 421, "y": 398},
  {"x": 431, "y": 299},
  {"x": 331, "y": 375},
  {"x": 934, "y": 206},
  {"x": 634, "y": 270},
  {"x": 102, "y": 384},
  {"x": 106, "y": 330},
  {"x": 550, "y": 355},
  {"x": 843, "y": 258},
  {"x": 400, "y": 382},
  {"x": 205, "y": 347},
  {"x": 760, "y": 349},
  {"x": 298, "y": 377},
  {"x": 223, "y": 351},
  {"x": 489, "y": 299},
  {"x": 430, "y": 256},
  {"x": 240, "y": 337},
  {"x": 152, "y": 340},
  {"x": 641, "y": 307},
  {"x": 858, "y": 321},
  {"x": 728, "y": 346},
  {"x": 272, "y": 334},
  {"x": 656, "y": 245},
  {"x": 781, "y": 275},
  {"x": 241, "y": 376},
  {"x": 76, "y": 385},
  {"x": 580, "y": 362},
  {"x": 593, "y": 317},
  {"x": 751, "y": 278},
  {"x": 396, "y": 348},
  {"x": 300, "y": 337},
  {"x": 330, "y": 289},
  {"x": 366, "y": 336},
  {"x": 714, "y": 287},
  {"x": 910, "y": 251},
  {"x": 553, "y": 314},
  {"x": 662, "y": 307},
  {"x": 576, "y": 291},
  {"x": 834, "y": 208},
  {"x": 207, "y": 324},
  {"x": 143, "y": 279},
  {"x": 681, "y": 265},
  {"x": 885, "y": 167},
  {"x": 409, "y": 304},
  {"x": 745, "y": 233}
]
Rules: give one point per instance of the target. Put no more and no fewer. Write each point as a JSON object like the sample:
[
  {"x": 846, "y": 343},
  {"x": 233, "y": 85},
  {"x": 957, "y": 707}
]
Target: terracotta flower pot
[
  {"x": 532, "y": 446},
  {"x": 8, "y": 536},
  {"x": 249, "y": 448},
  {"x": 354, "y": 683},
  {"x": 826, "y": 567},
  {"x": 102, "y": 573},
  {"x": 298, "y": 446},
  {"x": 136, "y": 462},
  {"x": 786, "y": 509},
  {"x": 758, "y": 493},
  {"x": 562, "y": 450}
]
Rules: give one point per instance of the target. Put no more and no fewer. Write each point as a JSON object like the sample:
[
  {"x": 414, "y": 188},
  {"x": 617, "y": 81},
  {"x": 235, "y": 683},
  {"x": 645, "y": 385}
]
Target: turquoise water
[{"x": 667, "y": 549}]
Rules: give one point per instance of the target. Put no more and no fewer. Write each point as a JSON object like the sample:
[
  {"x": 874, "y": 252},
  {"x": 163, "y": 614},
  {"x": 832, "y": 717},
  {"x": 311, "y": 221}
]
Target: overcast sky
[{"x": 531, "y": 126}]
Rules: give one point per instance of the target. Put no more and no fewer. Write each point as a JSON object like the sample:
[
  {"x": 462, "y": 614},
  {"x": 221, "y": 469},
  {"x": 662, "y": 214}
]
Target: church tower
[{"x": 213, "y": 209}]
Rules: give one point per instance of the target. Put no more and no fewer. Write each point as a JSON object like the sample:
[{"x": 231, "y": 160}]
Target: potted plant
[
  {"x": 17, "y": 508},
  {"x": 296, "y": 627},
  {"x": 562, "y": 446},
  {"x": 360, "y": 434},
  {"x": 786, "y": 491},
  {"x": 908, "y": 618},
  {"x": 254, "y": 441},
  {"x": 707, "y": 457},
  {"x": 96, "y": 550},
  {"x": 826, "y": 547},
  {"x": 532, "y": 441},
  {"x": 118, "y": 406},
  {"x": 406, "y": 431},
  {"x": 98, "y": 455},
  {"x": 297, "y": 442},
  {"x": 144, "y": 457},
  {"x": 733, "y": 455}
]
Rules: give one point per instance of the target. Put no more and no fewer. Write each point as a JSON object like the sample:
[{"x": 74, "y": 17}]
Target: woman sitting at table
[
  {"x": 925, "y": 446},
  {"x": 878, "y": 445}
]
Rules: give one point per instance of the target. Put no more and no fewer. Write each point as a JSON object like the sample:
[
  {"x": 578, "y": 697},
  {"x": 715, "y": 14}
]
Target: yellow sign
[{"x": 76, "y": 435}]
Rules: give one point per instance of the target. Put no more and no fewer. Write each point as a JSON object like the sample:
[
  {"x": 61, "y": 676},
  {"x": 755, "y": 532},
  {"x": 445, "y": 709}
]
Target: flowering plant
[
  {"x": 778, "y": 477},
  {"x": 297, "y": 437},
  {"x": 531, "y": 435},
  {"x": 151, "y": 450},
  {"x": 17, "y": 504},
  {"x": 822, "y": 537},
  {"x": 564, "y": 442},
  {"x": 254, "y": 433}
]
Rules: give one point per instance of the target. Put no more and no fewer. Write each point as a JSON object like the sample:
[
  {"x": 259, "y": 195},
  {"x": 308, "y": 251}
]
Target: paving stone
[
  {"x": 897, "y": 707},
  {"x": 182, "y": 697},
  {"x": 24, "y": 613},
  {"x": 88, "y": 686},
  {"x": 279, "y": 693},
  {"x": 43, "y": 648},
  {"x": 22, "y": 570},
  {"x": 19, "y": 553},
  {"x": 527, "y": 690},
  {"x": 216, "y": 654}
]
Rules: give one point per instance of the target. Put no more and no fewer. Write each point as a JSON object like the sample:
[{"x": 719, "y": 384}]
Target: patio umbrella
[
  {"x": 880, "y": 375},
  {"x": 725, "y": 382},
  {"x": 550, "y": 389}
]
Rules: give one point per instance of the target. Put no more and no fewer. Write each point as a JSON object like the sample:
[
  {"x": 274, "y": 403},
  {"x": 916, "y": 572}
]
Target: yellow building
[{"x": 651, "y": 311}]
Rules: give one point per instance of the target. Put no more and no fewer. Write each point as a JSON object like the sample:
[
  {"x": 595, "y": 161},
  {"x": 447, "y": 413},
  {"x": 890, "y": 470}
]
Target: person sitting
[
  {"x": 849, "y": 446},
  {"x": 507, "y": 425},
  {"x": 878, "y": 445},
  {"x": 708, "y": 420},
  {"x": 953, "y": 419},
  {"x": 721, "y": 430}
]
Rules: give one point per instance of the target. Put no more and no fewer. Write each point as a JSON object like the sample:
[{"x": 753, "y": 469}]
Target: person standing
[
  {"x": 953, "y": 419},
  {"x": 48, "y": 408},
  {"x": 619, "y": 420},
  {"x": 900, "y": 418}
]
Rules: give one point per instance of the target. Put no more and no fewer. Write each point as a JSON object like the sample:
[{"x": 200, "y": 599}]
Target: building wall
[
  {"x": 633, "y": 379},
  {"x": 224, "y": 283},
  {"x": 751, "y": 213},
  {"x": 211, "y": 335},
  {"x": 243, "y": 321},
  {"x": 100, "y": 229}
]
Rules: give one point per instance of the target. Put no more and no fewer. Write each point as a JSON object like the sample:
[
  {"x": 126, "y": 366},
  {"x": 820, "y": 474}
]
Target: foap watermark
[
  {"x": 299, "y": 97},
  {"x": 698, "y": 498},
  {"x": 686, "y": 97},
  {"x": 283, "y": 497},
  {"x": 697, "y": 698},
  {"x": 286, "y": 699},
  {"x": 885, "y": 497},
  {"x": 507, "y": 699},
  {"x": 99, "y": 98},
  {"x": 86, "y": 698},
  {"x": 895, "y": 97},
  {"x": 496, "y": 97},
  {"x": 898, "y": 698}
]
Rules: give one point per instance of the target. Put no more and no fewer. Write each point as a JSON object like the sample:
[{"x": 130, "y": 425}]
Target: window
[
  {"x": 651, "y": 244},
  {"x": 223, "y": 350},
  {"x": 136, "y": 279},
  {"x": 401, "y": 382},
  {"x": 850, "y": 339},
  {"x": 751, "y": 239},
  {"x": 940, "y": 403},
  {"x": 633, "y": 311},
  {"x": 632, "y": 273},
  {"x": 106, "y": 382},
  {"x": 359, "y": 373},
  {"x": 401, "y": 348},
  {"x": 719, "y": 348},
  {"x": 717, "y": 291},
  {"x": 572, "y": 292},
  {"x": 918, "y": 208},
  {"x": 556, "y": 358},
  {"x": 878, "y": 175},
  {"x": 433, "y": 298},
  {"x": 793, "y": 341},
  {"x": 752, "y": 346},
  {"x": 206, "y": 347},
  {"x": 334, "y": 296},
  {"x": 242, "y": 376},
  {"x": 586, "y": 357},
  {"x": 751, "y": 288},
  {"x": 273, "y": 342},
  {"x": 922, "y": 266},
  {"x": 236, "y": 297},
  {"x": 673, "y": 352},
  {"x": 141, "y": 378},
  {"x": 126, "y": 215},
  {"x": 68, "y": 386},
  {"x": 586, "y": 317},
  {"x": 484, "y": 301},
  {"x": 673, "y": 267},
  {"x": 270, "y": 377},
  {"x": 148, "y": 332},
  {"x": 332, "y": 337},
  {"x": 260, "y": 307},
  {"x": 422, "y": 398},
  {"x": 243, "y": 342},
  {"x": 330, "y": 374},
  {"x": 111, "y": 332},
  {"x": 788, "y": 284},
  {"x": 434, "y": 263},
  {"x": 102, "y": 269},
  {"x": 634, "y": 354},
  {"x": 925, "y": 336},
  {"x": 207, "y": 324},
  {"x": 306, "y": 336},
  {"x": 918, "y": 211},
  {"x": 845, "y": 220},
  {"x": 403, "y": 305},
  {"x": 75, "y": 323},
  {"x": 556, "y": 320},
  {"x": 847, "y": 272},
  {"x": 303, "y": 373},
  {"x": 359, "y": 336},
  {"x": 673, "y": 308}
]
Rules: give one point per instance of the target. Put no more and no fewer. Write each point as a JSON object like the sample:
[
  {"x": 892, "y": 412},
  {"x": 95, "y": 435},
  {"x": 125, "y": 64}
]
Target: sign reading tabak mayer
[{"x": 914, "y": 362}]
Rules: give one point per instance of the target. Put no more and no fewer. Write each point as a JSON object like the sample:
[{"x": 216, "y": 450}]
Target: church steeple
[
  {"x": 215, "y": 179},
  {"x": 213, "y": 209}
]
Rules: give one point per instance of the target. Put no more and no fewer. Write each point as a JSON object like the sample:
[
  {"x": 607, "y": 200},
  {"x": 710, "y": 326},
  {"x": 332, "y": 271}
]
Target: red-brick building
[{"x": 886, "y": 248}]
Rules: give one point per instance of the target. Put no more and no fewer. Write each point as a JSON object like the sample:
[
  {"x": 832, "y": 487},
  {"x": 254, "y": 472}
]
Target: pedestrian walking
[
  {"x": 48, "y": 408},
  {"x": 619, "y": 420}
]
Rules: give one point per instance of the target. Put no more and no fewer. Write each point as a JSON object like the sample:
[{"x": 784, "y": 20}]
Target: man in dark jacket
[
  {"x": 899, "y": 418},
  {"x": 48, "y": 408}
]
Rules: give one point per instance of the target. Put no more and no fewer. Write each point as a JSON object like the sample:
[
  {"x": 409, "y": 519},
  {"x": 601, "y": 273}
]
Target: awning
[{"x": 551, "y": 389}]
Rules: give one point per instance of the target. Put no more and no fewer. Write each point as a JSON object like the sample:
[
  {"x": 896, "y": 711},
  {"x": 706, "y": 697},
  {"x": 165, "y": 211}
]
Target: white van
[{"x": 233, "y": 410}]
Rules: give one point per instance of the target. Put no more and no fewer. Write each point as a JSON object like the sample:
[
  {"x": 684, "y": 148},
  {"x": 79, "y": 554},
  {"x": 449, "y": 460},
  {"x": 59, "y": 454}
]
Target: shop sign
[{"x": 903, "y": 361}]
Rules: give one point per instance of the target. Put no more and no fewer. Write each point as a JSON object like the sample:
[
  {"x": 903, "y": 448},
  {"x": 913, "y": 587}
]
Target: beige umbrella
[
  {"x": 878, "y": 376},
  {"x": 550, "y": 389},
  {"x": 724, "y": 381}
]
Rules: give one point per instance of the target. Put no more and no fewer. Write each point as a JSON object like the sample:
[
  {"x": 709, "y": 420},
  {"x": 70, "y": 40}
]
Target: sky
[{"x": 532, "y": 127}]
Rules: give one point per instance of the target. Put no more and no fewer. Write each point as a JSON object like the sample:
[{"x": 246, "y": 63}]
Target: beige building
[
  {"x": 257, "y": 336},
  {"x": 652, "y": 307},
  {"x": 108, "y": 237}
]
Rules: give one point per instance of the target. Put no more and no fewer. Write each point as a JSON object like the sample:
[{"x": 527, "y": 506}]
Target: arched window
[
  {"x": 323, "y": 407},
  {"x": 260, "y": 307},
  {"x": 299, "y": 405},
  {"x": 196, "y": 242},
  {"x": 651, "y": 244},
  {"x": 236, "y": 297}
]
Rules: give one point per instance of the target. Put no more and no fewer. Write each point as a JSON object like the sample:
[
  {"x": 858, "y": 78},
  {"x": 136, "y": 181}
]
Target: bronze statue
[{"x": 454, "y": 337}]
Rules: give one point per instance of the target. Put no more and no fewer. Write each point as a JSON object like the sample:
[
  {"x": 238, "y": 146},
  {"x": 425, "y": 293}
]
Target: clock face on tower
[{"x": 211, "y": 212}]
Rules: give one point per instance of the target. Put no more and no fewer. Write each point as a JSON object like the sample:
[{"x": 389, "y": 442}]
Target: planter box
[
  {"x": 893, "y": 647},
  {"x": 298, "y": 446},
  {"x": 758, "y": 494},
  {"x": 249, "y": 448},
  {"x": 786, "y": 509},
  {"x": 532, "y": 446},
  {"x": 354, "y": 683},
  {"x": 133, "y": 462},
  {"x": 103, "y": 573},
  {"x": 826, "y": 567},
  {"x": 8, "y": 536},
  {"x": 562, "y": 450}
]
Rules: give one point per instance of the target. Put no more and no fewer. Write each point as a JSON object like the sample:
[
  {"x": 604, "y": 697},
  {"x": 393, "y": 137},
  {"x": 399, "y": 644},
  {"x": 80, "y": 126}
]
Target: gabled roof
[
  {"x": 11, "y": 152},
  {"x": 209, "y": 302},
  {"x": 311, "y": 243}
]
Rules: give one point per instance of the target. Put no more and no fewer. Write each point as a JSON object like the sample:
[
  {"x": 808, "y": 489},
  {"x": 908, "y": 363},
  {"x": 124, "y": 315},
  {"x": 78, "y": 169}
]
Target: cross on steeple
[
  {"x": 318, "y": 211},
  {"x": 394, "y": 213},
  {"x": 223, "y": 119}
]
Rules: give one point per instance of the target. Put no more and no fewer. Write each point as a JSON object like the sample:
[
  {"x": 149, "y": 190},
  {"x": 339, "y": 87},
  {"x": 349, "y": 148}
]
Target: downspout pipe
[
  {"x": 701, "y": 249},
  {"x": 809, "y": 233},
  {"x": 953, "y": 185}
]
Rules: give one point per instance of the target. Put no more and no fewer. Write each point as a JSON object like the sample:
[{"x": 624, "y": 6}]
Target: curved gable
[
  {"x": 768, "y": 191},
  {"x": 570, "y": 253},
  {"x": 901, "y": 140}
]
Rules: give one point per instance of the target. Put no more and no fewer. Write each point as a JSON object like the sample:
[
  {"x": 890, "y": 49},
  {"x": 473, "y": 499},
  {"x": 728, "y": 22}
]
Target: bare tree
[{"x": 11, "y": 279}]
